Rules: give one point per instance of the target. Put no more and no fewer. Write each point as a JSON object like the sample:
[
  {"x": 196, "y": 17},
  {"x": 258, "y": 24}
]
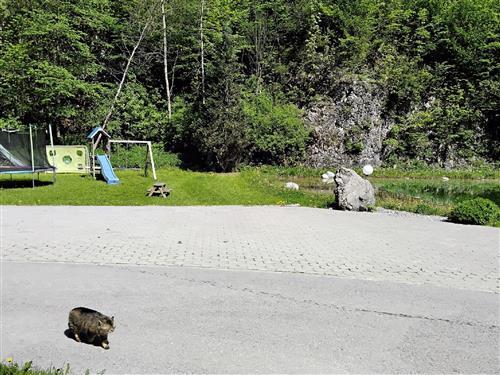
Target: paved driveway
[
  {"x": 371, "y": 246},
  {"x": 250, "y": 289}
]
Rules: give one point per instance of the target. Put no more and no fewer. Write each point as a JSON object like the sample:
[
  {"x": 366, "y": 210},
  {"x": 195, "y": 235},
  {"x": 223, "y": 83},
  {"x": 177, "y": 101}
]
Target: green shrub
[
  {"x": 10, "y": 123},
  {"x": 476, "y": 211},
  {"x": 275, "y": 130},
  {"x": 139, "y": 114},
  {"x": 134, "y": 156}
]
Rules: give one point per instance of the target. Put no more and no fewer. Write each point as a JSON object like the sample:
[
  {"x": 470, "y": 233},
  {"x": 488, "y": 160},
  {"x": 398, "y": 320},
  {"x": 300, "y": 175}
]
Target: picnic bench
[{"x": 159, "y": 189}]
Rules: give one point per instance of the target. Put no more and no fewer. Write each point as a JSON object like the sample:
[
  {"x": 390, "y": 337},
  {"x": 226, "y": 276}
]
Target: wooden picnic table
[{"x": 159, "y": 189}]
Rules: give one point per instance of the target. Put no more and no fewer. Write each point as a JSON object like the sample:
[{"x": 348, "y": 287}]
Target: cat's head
[{"x": 106, "y": 325}]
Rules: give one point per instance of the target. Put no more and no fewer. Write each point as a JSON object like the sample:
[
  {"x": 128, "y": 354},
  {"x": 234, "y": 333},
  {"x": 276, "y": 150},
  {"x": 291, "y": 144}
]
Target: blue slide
[{"x": 107, "y": 170}]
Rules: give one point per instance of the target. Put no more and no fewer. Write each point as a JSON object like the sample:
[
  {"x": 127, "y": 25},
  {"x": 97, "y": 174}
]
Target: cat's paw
[{"x": 105, "y": 345}]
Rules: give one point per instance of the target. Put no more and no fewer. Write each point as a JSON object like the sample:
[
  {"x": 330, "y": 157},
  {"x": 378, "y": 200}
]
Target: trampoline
[{"x": 24, "y": 152}]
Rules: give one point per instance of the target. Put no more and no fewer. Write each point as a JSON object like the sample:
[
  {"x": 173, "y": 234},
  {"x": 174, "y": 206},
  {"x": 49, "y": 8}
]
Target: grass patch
[
  {"x": 251, "y": 186},
  {"x": 12, "y": 368},
  {"x": 430, "y": 195},
  {"x": 189, "y": 188},
  {"x": 485, "y": 171}
]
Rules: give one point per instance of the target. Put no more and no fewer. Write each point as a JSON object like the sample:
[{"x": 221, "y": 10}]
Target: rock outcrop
[
  {"x": 352, "y": 192},
  {"x": 349, "y": 127}
]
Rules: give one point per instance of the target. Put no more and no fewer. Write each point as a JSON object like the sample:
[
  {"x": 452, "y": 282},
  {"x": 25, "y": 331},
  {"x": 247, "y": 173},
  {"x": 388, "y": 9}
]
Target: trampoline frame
[{"x": 33, "y": 169}]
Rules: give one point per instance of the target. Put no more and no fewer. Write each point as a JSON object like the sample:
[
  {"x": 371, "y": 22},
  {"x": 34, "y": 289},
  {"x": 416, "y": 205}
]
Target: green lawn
[
  {"x": 188, "y": 188},
  {"x": 418, "y": 191}
]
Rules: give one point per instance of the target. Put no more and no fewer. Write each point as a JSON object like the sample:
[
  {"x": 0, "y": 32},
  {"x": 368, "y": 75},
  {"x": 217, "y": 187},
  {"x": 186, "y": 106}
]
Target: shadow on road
[{"x": 69, "y": 334}]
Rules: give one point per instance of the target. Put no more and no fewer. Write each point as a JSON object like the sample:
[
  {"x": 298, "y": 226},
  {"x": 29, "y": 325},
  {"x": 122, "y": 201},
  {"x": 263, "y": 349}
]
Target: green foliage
[
  {"x": 275, "y": 130},
  {"x": 134, "y": 156},
  {"x": 222, "y": 139},
  {"x": 49, "y": 60},
  {"x": 478, "y": 211},
  {"x": 253, "y": 129},
  {"x": 28, "y": 369},
  {"x": 10, "y": 123},
  {"x": 139, "y": 114},
  {"x": 436, "y": 61}
]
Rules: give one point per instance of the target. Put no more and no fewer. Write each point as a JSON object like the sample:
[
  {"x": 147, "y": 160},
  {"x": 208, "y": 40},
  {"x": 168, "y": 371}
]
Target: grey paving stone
[{"x": 372, "y": 246}]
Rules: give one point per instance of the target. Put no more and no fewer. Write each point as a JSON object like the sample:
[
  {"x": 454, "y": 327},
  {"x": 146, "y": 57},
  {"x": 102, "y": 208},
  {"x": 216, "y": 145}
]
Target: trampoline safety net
[{"x": 15, "y": 152}]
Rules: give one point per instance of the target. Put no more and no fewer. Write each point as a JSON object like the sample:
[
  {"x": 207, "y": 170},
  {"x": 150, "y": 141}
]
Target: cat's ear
[{"x": 99, "y": 323}]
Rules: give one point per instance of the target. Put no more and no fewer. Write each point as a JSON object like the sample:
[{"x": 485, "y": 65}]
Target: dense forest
[{"x": 229, "y": 83}]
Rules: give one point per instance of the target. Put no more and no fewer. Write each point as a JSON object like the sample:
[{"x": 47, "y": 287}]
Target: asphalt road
[
  {"x": 209, "y": 321},
  {"x": 290, "y": 313}
]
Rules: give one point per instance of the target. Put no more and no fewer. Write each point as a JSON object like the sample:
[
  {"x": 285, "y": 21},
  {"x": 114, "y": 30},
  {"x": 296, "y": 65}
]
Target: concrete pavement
[
  {"x": 250, "y": 290},
  {"x": 188, "y": 320}
]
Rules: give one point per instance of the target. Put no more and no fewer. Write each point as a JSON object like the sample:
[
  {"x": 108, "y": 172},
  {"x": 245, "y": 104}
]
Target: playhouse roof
[{"x": 96, "y": 131}]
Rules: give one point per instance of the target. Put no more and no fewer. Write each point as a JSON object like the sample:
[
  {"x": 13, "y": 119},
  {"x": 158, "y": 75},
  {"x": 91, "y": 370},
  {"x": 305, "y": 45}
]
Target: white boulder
[{"x": 292, "y": 186}]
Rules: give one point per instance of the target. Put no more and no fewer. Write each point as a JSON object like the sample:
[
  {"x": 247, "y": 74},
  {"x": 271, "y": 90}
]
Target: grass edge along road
[
  {"x": 9, "y": 367},
  {"x": 419, "y": 191}
]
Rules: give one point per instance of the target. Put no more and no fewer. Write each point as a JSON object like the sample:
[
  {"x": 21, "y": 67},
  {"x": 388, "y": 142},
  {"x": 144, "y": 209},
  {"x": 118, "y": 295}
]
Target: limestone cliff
[{"x": 349, "y": 127}]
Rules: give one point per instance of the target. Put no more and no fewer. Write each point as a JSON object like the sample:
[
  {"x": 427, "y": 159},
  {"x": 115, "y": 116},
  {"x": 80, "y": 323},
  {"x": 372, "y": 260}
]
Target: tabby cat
[{"x": 90, "y": 326}]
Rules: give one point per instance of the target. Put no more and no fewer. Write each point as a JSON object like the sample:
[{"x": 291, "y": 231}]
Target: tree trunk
[
  {"x": 202, "y": 53},
  {"x": 165, "y": 61}
]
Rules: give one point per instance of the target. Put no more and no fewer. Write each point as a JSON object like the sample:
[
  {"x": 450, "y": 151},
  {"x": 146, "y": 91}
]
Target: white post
[
  {"x": 165, "y": 62},
  {"x": 93, "y": 159},
  {"x": 53, "y": 154},
  {"x": 152, "y": 161}
]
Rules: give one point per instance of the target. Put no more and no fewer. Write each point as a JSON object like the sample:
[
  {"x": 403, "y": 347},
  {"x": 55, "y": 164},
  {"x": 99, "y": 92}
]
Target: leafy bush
[
  {"x": 134, "y": 156},
  {"x": 275, "y": 130},
  {"x": 10, "y": 123},
  {"x": 139, "y": 114},
  {"x": 476, "y": 211},
  {"x": 248, "y": 129}
]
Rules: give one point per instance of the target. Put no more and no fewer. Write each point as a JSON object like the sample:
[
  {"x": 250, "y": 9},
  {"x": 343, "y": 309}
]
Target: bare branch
[{"x": 120, "y": 86}]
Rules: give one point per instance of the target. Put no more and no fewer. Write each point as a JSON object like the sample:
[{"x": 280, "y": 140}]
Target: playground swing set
[{"x": 103, "y": 160}]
